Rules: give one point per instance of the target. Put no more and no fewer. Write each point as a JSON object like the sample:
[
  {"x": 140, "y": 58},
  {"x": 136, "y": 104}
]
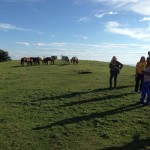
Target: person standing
[
  {"x": 139, "y": 74},
  {"x": 146, "y": 84},
  {"x": 115, "y": 67},
  {"x": 148, "y": 54}
]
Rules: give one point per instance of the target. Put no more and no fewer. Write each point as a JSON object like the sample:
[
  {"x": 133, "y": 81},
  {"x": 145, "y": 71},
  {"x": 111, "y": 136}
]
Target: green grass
[{"x": 67, "y": 107}]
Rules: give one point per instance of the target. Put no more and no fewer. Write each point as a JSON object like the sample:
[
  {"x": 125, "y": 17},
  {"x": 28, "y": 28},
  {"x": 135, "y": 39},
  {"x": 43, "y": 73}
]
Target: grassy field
[{"x": 59, "y": 107}]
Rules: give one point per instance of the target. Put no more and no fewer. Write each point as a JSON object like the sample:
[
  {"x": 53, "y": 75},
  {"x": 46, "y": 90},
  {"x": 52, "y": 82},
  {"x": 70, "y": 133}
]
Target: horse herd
[{"x": 29, "y": 61}]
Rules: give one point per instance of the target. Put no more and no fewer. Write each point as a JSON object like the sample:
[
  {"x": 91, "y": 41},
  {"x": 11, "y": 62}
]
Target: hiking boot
[
  {"x": 140, "y": 102},
  {"x": 147, "y": 103}
]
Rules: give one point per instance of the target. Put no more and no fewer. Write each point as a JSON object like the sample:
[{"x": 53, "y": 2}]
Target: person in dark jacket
[{"x": 115, "y": 67}]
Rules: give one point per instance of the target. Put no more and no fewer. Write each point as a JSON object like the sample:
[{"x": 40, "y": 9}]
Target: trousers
[
  {"x": 139, "y": 82},
  {"x": 113, "y": 74},
  {"x": 145, "y": 92}
]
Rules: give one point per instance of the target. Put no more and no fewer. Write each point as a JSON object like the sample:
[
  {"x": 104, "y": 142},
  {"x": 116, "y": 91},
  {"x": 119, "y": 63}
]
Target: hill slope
[{"x": 70, "y": 107}]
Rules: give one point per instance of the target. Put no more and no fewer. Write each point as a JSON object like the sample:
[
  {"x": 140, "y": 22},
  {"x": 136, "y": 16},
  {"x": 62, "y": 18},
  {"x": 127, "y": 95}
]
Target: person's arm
[
  {"x": 120, "y": 65},
  {"x": 136, "y": 69}
]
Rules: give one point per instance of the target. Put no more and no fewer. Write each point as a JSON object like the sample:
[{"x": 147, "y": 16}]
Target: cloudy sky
[{"x": 88, "y": 29}]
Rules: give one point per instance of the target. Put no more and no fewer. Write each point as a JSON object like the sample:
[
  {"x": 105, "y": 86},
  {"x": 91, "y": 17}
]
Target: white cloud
[
  {"x": 137, "y": 6},
  {"x": 112, "y": 13},
  {"x": 42, "y": 44},
  {"x": 6, "y": 27},
  {"x": 23, "y": 43},
  {"x": 145, "y": 19},
  {"x": 58, "y": 44},
  {"x": 85, "y": 46},
  {"x": 83, "y": 19},
  {"x": 80, "y": 36},
  {"x": 101, "y": 14},
  {"x": 136, "y": 33}
]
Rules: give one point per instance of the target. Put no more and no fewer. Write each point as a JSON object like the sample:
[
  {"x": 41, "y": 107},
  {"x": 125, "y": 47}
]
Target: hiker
[
  {"x": 148, "y": 54},
  {"x": 146, "y": 84},
  {"x": 115, "y": 67},
  {"x": 139, "y": 75}
]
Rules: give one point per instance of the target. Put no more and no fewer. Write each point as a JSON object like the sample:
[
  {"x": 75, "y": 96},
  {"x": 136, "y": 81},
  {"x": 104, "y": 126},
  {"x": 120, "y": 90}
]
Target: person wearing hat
[
  {"x": 139, "y": 75},
  {"x": 115, "y": 67}
]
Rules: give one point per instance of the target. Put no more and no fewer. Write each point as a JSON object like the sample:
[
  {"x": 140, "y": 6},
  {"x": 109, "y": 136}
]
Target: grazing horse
[
  {"x": 47, "y": 59},
  {"x": 36, "y": 60},
  {"x": 54, "y": 57},
  {"x": 29, "y": 61},
  {"x": 64, "y": 59},
  {"x": 74, "y": 60}
]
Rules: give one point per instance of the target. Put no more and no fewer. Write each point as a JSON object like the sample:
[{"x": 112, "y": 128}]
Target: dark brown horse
[
  {"x": 27, "y": 60},
  {"x": 36, "y": 60},
  {"x": 54, "y": 57},
  {"x": 74, "y": 60},
  {"x": 47, "y": 59}
]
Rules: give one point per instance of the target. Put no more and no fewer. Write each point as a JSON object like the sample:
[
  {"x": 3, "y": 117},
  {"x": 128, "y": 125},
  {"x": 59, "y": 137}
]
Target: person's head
[
  {"x": 149, "y": 53},
  {"x": 142, "y": 59},
  {"x": 148, "y": 61},
  {"x": 114, "y": 58}
]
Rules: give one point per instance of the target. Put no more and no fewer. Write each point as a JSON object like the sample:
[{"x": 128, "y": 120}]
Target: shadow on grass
[
  {"x": 17, "y": 66},
  {"x": 73, "y": 94},
  {"x": 96, "y": 99},
  {"x": 91, "y": 116},
  {"x": 136, "y": 144},
  {"x": 63, "y": 64},
  {"x": 119, "y": 87}
]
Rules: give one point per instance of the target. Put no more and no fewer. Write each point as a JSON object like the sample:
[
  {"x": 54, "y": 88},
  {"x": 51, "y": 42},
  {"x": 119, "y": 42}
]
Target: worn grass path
[{"x": 59, "y": 107}]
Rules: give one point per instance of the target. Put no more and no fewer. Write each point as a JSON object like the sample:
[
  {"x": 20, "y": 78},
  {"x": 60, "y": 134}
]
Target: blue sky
[{"x": 88, "y": 29}]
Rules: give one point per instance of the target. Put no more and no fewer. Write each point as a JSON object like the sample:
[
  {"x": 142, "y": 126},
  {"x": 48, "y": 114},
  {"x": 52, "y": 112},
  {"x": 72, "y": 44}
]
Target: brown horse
[
  {"x": 47, "y": 59},
  {"x": 24, "y": 60},
  {"x": 74, "y": 60}
]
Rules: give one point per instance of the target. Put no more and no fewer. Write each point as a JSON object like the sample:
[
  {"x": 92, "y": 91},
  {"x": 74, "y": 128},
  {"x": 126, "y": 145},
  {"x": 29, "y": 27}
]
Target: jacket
[{"x": 115, "y": 66}]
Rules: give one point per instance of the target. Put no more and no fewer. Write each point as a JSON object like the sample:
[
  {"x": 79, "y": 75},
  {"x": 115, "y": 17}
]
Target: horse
[
  {"x": 47, "y": 59},
  {"x": 54, "y": 57},
  {"x": 27, "y": 60},
  {"x": 36, "y": 60},
  {"x": 74, "y": 60},
  {"x": 64, "y": 59}
]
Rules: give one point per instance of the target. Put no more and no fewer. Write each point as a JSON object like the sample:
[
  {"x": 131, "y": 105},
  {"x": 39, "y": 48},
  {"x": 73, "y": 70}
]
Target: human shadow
[
  {"x": 74, "y": 94},
  {"x": 107, "y": 88},
  {"x": 124, "y": 86},
  {"x": 17, "y": 66},
  {"x": 108, "y": 97},
  {"x": 69, "y": 95},
  {"x": 136, "y": 144},
  {"x": 91, "y": 116}
]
